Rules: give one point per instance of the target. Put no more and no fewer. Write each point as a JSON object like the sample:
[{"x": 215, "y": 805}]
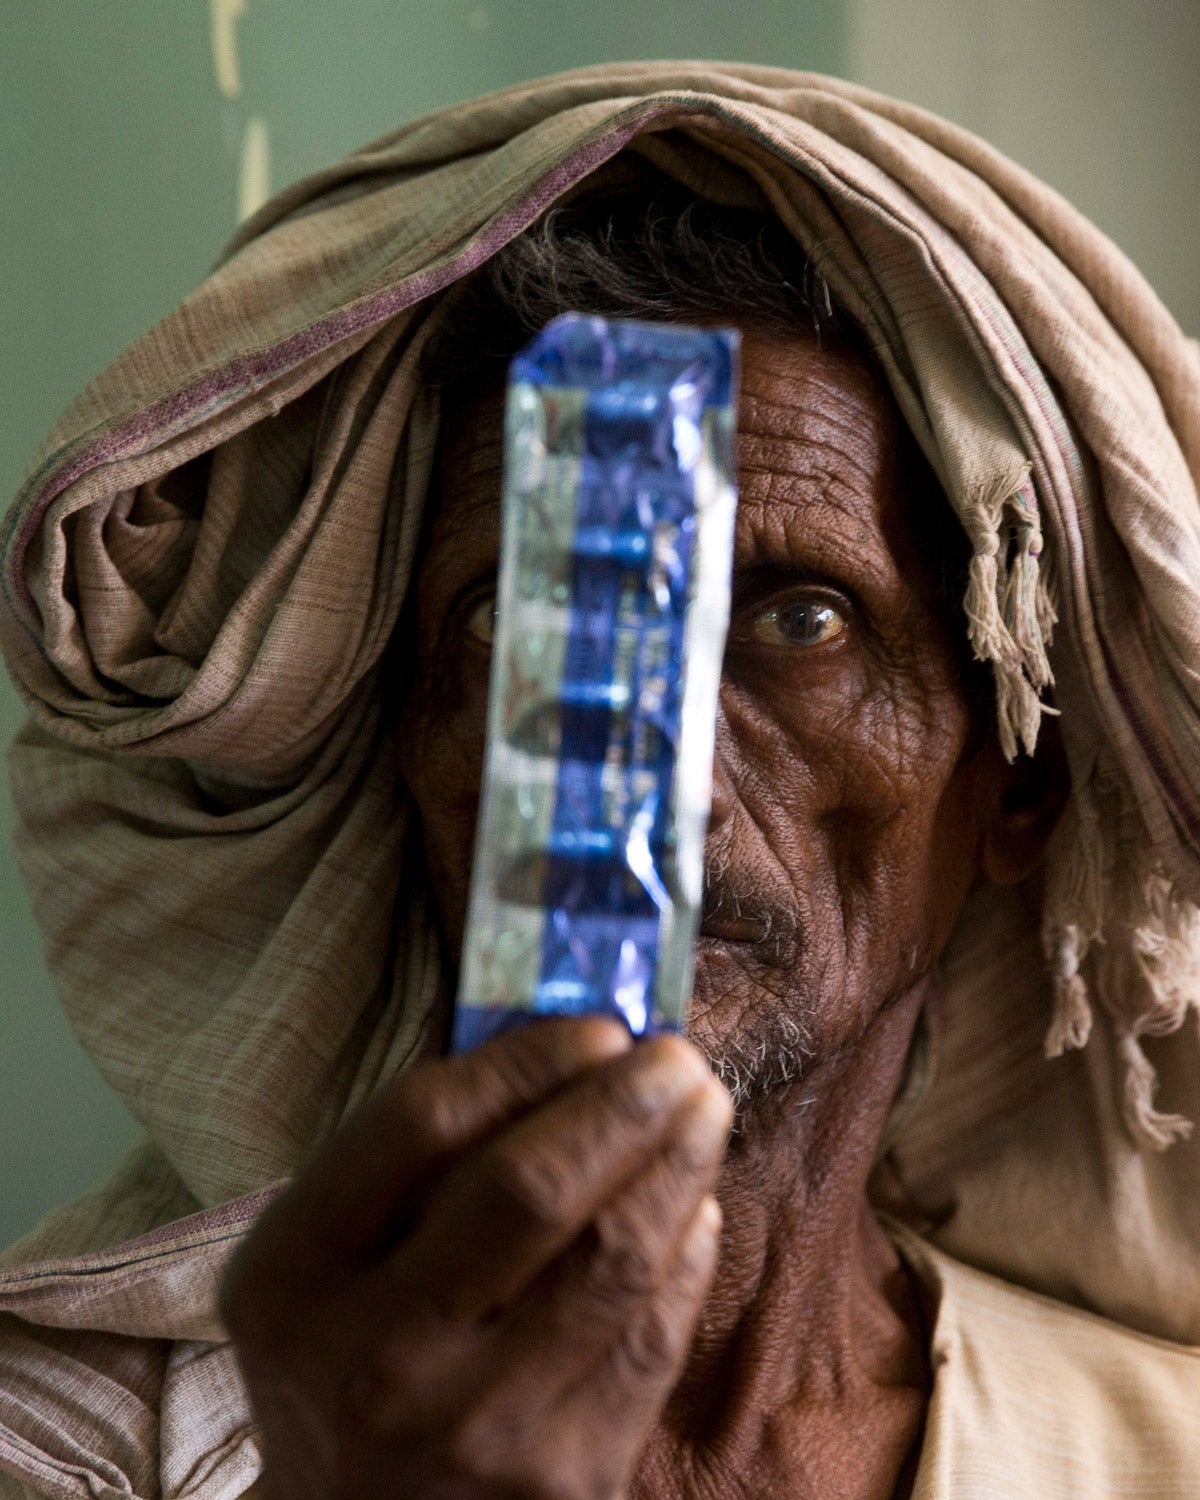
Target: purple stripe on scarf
[
  {"x": 182, "y": 409},
  {"x": 209, "y": 1226}
]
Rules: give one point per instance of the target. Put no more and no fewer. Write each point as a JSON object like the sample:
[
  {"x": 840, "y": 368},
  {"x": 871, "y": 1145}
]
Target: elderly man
[{"x": 250, "y": 601}]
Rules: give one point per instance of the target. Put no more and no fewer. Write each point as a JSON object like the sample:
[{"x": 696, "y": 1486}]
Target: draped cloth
[{"x": 204, "y": 578}]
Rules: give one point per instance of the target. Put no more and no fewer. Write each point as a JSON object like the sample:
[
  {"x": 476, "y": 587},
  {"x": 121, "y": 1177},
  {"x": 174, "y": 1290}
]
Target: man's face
[{"x": 847, "y": 811}]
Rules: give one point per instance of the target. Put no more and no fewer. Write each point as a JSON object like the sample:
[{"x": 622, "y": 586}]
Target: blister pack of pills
[{"x": 612, "y": 608}]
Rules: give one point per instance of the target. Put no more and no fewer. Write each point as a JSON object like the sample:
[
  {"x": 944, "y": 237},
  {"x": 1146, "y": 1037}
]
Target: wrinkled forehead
[{"x": 829, "y": 478}]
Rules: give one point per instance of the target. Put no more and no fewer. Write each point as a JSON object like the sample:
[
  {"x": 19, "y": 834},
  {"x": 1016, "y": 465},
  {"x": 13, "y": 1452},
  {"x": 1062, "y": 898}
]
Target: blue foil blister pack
[{"x": 612, "y": 609}]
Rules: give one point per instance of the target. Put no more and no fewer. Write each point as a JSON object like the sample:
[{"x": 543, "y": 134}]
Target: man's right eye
[
  {"x": 802, "y": 620},
  {"x": 481, "y": 619}
]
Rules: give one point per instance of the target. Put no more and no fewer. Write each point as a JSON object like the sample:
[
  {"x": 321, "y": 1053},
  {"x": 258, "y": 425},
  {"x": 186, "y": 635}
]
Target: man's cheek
[
  {"x": 449, "y": 850},
  {"x": 442, "y": 764},
  {"x": 901, "y": 865}
]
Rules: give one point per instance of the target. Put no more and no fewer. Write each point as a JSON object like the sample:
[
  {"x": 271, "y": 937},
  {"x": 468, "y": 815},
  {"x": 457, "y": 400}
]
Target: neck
[{"x": 809, "y": 1353}]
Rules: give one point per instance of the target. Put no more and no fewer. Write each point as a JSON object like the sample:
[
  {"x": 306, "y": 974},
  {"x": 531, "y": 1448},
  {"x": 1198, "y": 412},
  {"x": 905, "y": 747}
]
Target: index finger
[{"x": 348, "y": 1206}]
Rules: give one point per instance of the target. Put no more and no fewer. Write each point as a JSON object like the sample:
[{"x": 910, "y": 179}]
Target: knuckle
[
  {"x": 694, "y": 1267},
  {"x": 626, "y": 1098},
  {"x": 426, "y": 1109},
  {"x": 650, "y": 1345},
  {"x": 624, "y": 1266},
  {"x": 532, "y": 1059},
  {"x": 687, "y": 1157},
  {"x": 537, "y": 1183},
  {"x": 652, "y": 1083},
  {"x": 682, "y": 1056},
  {"x": 719, "y": 1099}
]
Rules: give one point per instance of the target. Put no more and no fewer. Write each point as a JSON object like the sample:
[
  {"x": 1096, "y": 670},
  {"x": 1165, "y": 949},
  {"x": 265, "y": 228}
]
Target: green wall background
[{"x": 121, "y": 172}]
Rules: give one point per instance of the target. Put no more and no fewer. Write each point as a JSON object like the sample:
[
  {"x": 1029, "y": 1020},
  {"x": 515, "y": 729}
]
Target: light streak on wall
[
  {"x": 224, "y": 15},
  {"x": 254, "y": 176}
]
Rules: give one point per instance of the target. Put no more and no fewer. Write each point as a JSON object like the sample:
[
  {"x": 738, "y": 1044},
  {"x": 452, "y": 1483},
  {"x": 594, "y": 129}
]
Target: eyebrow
[
  {"x": 477, "y": 492},
  {"x": 479, "y": 477},
  {"x": 758, "y": 580}
]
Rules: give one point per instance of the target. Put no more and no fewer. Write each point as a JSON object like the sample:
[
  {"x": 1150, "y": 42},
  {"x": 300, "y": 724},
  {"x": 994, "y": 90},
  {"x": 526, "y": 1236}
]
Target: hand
[{"x": 486, "y": 1285}]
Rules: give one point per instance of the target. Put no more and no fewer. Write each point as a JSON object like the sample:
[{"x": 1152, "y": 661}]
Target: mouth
[
  {"x": 750, "y": 927},
  {"x": 729, "y": 929}
]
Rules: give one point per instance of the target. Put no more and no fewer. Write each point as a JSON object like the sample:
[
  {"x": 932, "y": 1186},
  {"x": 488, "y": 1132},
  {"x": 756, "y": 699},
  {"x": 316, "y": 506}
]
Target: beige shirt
[{"x": 1036, "y": 1400}]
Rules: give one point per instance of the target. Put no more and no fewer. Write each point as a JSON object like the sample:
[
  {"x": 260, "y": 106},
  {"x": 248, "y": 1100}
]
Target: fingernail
[
  {"x": 708, "y": 1219},
  {"x": 603, "y": 1037},
  {"x": 664, "y": 1072},
  {"x": 706, "y": 1123}
]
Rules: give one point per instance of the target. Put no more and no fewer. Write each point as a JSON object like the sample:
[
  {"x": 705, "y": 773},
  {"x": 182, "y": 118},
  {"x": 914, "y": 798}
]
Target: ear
[{"x": 1030, "y": 795}]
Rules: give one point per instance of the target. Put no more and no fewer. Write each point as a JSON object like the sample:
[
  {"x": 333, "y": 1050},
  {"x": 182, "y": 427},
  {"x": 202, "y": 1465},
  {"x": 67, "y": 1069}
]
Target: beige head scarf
[{"x": 204, "y": 571}]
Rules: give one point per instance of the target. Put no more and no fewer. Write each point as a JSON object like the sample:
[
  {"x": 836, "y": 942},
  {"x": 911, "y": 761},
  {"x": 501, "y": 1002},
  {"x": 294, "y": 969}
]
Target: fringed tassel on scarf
[
  {"x": 1072, "y": 1021},
  {"x": 1010, "y": 616},
  {"x": 1073, "y": 917},
  {"x": 1149, "y": 1126},
  {"x": 1115, "y": 932},
  {"x": 1110, "y": 907}
]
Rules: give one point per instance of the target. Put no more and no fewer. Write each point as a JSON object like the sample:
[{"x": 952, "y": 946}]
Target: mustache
[{"x": 739, "y": 910}]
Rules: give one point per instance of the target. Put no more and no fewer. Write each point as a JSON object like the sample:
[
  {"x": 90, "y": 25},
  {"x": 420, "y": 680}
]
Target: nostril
[
  {"x": 723, "y": 797},
  {"x": 722, "y": 792}
]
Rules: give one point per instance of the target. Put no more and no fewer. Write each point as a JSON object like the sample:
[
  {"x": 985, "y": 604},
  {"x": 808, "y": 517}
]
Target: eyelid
[
  {"x": 762, "y": 581},
  {"x": 754, "y": 603},
  {"x": 464, "y": 606}
]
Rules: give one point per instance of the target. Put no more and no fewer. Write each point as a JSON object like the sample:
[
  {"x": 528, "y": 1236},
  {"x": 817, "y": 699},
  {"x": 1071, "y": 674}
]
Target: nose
[{"x": 722, "y": 782}]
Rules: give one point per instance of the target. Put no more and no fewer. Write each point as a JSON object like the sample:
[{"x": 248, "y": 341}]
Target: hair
[{"x": 664, "y": 257}]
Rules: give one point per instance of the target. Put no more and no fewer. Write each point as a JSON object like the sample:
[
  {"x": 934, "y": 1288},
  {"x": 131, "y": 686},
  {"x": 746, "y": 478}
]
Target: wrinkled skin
[{"x": 505, "y": 1279}]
